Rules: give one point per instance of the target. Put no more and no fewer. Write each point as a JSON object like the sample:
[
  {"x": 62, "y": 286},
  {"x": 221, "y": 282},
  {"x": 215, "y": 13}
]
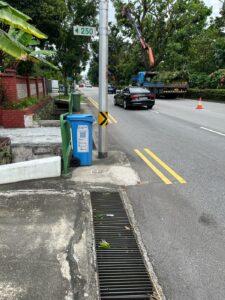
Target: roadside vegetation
[
  {"x": 188, "y": 43},
  {"x": 67, "y": 52},
  {"x": 46, "y": 112},
  {"x": 5, "y": 151},
  {"x": 24, "y": 103},
  {"x": 18, "y": 39}
]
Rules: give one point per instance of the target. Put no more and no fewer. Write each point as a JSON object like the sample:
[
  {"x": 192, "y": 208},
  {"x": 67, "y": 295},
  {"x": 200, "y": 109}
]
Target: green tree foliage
[
  {"x": 120, "y": 64},
  {"x": 57, "y": 17},
  {"x": 179, "y": 32},
  {"x": 73, "y": 51},
  {"x": 168, "y": 26},
  {"x": 220, "y": 20},
  {"x": 206, "y": 51},
  {"x": 18, "y": 35},
  {"x": 93, "y": 70},
  {"x": 47, "y": 15}
]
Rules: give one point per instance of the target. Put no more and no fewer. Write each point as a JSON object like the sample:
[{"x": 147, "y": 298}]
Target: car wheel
[
  {"x": 125, "y": 106},
  {"x": 150, "y": 106},
  {"x": 114, "y": 101}
]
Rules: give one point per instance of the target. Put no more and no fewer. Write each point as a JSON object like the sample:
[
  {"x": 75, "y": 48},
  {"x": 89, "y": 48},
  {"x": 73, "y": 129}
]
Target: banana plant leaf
[
  {"x": 39, "y": 53},
  {"x": 46, "y": 62},
  {"x": 14, "y": 11},
  {"x": 10, "y": 16},
  {"x": 13, "y": 48},
  {"x": 22, "y": 37}
]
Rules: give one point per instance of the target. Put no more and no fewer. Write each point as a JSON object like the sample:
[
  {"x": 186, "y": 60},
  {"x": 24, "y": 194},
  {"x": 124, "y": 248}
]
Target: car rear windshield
[{"x": 138, "y": 90}]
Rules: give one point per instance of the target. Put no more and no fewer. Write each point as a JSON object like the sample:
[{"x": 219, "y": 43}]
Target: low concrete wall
[{"x": 33, "y": 169}]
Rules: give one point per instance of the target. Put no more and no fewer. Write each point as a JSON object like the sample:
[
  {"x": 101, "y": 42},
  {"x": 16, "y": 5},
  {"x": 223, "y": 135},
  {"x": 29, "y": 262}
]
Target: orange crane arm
[{"x": 127, "y": 14}]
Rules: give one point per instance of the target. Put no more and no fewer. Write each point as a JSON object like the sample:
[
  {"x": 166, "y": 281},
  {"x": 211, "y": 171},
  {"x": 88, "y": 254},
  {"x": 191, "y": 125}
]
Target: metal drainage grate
[{"x": 121, "y": 270}]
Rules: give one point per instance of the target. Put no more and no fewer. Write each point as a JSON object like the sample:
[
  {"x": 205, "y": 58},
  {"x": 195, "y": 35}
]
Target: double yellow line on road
[
  {"x": 111, "y": 119},
  {"x": 162, "y": 164}
]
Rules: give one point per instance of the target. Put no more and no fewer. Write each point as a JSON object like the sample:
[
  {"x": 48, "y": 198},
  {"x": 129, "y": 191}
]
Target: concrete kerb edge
[
  {"x": 91, "y": 240},
  {"x": 129, "y": 209},
  {"x": 84, "y": 267}
]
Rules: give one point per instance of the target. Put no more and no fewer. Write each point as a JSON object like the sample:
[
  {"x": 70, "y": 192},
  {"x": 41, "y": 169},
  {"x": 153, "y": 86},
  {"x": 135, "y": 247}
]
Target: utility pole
[{"x": 103, "y": 80}]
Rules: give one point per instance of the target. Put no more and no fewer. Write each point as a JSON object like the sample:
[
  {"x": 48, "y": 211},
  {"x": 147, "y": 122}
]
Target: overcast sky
[{"x": 216, "y": 4}]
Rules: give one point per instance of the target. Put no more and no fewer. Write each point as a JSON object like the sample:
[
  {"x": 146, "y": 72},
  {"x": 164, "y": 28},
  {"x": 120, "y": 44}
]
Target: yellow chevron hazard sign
[{"x": 103, "y": 118}]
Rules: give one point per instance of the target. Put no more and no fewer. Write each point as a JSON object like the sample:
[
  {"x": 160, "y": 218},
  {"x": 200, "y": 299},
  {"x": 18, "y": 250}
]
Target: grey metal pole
[{"x": 103, "y": 80}]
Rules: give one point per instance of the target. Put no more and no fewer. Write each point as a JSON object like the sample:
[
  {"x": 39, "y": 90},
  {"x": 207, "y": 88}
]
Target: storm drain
[{"x": 121, "y": 270}]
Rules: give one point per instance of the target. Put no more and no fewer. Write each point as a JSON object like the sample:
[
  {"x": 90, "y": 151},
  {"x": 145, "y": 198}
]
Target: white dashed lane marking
[{"x": 213, "y": 131}]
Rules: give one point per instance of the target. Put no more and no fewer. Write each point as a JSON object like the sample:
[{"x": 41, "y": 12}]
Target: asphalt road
[{"x": 181, "y": 215}]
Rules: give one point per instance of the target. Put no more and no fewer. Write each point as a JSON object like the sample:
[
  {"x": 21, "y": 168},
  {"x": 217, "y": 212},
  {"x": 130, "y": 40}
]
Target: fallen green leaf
[
  {"x": 104, "y": 245},
  {"x": 99, "y": 216}
]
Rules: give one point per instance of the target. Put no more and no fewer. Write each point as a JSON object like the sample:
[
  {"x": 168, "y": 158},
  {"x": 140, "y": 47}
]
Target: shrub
[
  {"x": 215, "y": 80},
  {"x": 218, "y": 79},
  {"x": 169, "y": 77},
  {"x": 26, "y": 102},
  {"x": 199, "y": 80},
  {"x": 207, "y": 94}
]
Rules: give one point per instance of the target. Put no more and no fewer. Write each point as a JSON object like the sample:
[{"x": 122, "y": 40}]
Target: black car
[
  {"x": 134, "y": 96},
  {"x": 111, "y": 89}
]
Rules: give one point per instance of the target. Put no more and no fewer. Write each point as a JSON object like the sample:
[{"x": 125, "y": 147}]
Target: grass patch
[{"x": 62, "y": 97}]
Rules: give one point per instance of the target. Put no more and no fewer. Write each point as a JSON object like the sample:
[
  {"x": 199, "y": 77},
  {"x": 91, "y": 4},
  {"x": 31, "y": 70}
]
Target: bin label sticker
[
  {"x": 82, "y": 138},
  {"x": 103, "y": 118}
]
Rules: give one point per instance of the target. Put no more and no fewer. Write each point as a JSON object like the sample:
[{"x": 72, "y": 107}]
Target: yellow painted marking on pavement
[
  {"x": 111, "y": 119},
  {"x": 165, "y": 166},
  {"x": 154, "y": 169},
  {"x": 93, "y": 102}
]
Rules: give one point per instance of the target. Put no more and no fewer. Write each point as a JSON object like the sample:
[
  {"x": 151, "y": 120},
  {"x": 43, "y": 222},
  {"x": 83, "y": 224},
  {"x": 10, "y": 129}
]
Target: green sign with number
[{"x": 84, "y": 30}]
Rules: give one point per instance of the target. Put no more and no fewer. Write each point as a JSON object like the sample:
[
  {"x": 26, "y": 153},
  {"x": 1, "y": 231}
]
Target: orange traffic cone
[{"x": 199, "y": 106}]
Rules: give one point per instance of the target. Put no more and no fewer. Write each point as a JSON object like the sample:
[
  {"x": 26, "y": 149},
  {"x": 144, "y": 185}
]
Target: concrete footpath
[
  {"x": 46, "y": 232},
  {"x": 46, "y": 241}
]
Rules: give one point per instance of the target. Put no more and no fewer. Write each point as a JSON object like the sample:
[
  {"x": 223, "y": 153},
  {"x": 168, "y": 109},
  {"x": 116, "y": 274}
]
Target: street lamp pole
[{"x": 103, "y": 80}]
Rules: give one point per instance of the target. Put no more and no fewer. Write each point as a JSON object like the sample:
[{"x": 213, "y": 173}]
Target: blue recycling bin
[{"x": 81, "y": 126}]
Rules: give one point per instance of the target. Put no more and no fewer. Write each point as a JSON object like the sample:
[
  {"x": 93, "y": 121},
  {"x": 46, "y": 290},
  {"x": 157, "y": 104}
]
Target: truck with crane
[{"x": 146, "y": 78}]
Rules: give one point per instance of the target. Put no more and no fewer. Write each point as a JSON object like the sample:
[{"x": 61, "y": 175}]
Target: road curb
[{"x": 158, "y": 291}]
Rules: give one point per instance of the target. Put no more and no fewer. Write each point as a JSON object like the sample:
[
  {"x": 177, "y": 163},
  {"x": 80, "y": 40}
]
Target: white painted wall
[
  {"x": 33, "y": 91},
  {"x": 40, "y": 87},
  {"x": 21, "y": 90},
  {"x": 32, "y": 169}
]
